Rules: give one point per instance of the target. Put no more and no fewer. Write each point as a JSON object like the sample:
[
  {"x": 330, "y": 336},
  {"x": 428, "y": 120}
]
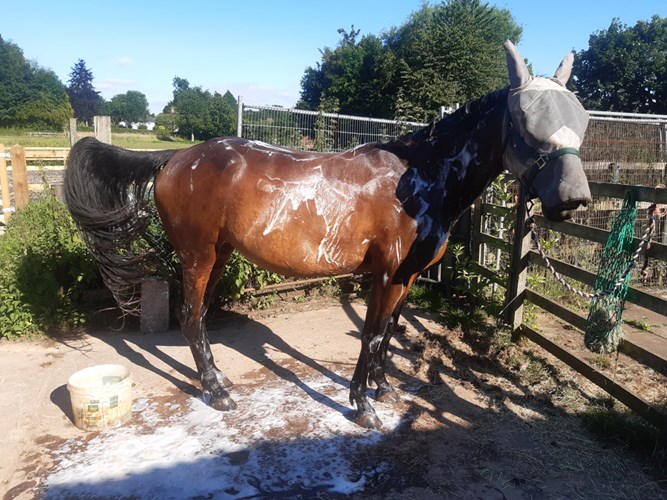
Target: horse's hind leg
[
  {"x": 198, "y": 266},
  {"x": 223, "y": 252}
]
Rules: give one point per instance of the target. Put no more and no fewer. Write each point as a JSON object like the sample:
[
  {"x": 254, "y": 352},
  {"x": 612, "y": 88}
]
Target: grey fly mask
[{"x": 547, "y": 126}]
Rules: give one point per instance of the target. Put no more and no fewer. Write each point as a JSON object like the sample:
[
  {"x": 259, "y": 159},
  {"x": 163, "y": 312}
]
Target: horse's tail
[{"x": 106, "y": 190}]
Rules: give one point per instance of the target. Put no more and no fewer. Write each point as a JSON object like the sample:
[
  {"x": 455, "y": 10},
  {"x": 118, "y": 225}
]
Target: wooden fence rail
[{"x": 650, "y": 350}]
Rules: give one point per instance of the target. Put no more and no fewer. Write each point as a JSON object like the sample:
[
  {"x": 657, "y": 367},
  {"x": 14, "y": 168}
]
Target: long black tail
[{"x": 106, "y": 190}]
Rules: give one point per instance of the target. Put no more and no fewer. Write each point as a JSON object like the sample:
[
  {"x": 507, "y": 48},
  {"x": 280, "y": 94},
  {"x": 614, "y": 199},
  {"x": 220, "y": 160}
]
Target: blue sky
[{"x": 258, "y": 49}]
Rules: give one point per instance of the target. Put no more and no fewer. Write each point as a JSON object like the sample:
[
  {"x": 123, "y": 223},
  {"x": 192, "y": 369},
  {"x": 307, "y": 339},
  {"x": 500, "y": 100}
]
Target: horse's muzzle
[
  {"x": 565, "y": 211},
  {"x": 562, "y": 187}
]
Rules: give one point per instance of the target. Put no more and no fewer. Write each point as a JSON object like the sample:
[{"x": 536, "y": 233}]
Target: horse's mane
[{"x": 447, "y": 135}]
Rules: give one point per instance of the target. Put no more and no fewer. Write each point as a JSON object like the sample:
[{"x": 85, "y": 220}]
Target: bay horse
[{"x": 380, "y": 208}]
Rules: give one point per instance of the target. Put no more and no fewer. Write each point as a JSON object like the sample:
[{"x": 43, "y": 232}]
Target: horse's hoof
[
  {"x": 225, "y": 382},
  {"x": 222, "y": 379},
  {"x": 387, "y": 396},
  {"x": 368, "y": 421},
  {"x": 222, "y": 404}
]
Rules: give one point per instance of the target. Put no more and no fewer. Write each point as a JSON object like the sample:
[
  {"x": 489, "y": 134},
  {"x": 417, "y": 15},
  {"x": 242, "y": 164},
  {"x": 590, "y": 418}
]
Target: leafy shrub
[
  {"x": 44, "y": 268},
  {"x": 239, "y": 274}
]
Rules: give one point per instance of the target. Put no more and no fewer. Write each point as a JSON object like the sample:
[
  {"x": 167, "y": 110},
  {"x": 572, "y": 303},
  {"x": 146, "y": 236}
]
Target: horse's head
[{"x": 546, "y": 127}]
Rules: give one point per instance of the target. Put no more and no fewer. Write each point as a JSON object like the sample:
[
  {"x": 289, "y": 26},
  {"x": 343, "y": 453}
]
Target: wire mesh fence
[{"x": 316, "y": 131}]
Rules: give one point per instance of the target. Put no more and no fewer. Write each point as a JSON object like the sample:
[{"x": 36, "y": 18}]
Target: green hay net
[{"x": 604, "y": 328}]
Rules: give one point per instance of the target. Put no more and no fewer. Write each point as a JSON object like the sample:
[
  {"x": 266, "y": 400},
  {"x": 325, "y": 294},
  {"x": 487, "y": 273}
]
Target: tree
[
  {"x": 224, "y": 113},
  {"x": 444, "y": 54},
  {"x": 129, "y": 107},
  {"x": 200, "y": 114},
  {"x": 46, "y": 105},
  {"x": 624, "y": 68},
  {"x": 358, "y": 74},
  {"x": 451, "y": 53},
  {"x": 85, "y": 100},
  {"x": 30, "y": 96}
]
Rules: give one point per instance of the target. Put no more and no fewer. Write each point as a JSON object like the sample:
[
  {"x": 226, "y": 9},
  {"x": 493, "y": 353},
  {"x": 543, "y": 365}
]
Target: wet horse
[{"x": 381, "y": 208}]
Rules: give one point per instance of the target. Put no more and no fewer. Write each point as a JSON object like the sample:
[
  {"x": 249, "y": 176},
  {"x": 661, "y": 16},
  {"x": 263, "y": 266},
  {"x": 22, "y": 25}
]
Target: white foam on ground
[{"x": 280, "y": 440}]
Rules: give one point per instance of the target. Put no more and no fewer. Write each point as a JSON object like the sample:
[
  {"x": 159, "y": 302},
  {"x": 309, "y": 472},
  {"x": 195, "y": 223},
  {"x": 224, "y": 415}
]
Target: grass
[
  {"x": 129, "y": 139},
  {"x": 640, "y": 324}
]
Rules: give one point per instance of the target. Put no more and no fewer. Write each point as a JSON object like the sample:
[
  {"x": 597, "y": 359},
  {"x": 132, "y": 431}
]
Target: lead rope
[{"x": 645, "y": 241}]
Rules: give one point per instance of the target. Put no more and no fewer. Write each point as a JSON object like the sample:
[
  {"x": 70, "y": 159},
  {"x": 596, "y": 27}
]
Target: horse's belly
[{"x": 303, "y": 252}]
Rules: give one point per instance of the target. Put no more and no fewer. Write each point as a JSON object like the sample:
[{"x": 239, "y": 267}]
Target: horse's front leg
[
  {"x": 382, "y": 303},
  {"x": 385, "y": 392}
]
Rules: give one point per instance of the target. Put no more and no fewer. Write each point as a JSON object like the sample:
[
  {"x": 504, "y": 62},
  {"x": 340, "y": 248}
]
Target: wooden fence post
[
  {"x": 72, "y": 131},
  {"x": 19, "y": 177},
  {"x": 102, "y": 128},
  {"x": 477, "y": 253},
  {"x": 518, "y": 266},
  {"x": 4, "y": 185}
]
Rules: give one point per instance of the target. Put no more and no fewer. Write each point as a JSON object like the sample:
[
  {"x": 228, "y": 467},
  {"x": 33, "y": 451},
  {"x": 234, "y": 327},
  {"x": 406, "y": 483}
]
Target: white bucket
[{"x": 101, "y": 396}]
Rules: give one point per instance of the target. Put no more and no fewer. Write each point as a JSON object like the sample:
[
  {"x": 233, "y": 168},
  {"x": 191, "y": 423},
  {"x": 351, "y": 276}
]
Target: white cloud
[
  {"x": 123, "y": 61},
  {"x": 254, "y": 93}
]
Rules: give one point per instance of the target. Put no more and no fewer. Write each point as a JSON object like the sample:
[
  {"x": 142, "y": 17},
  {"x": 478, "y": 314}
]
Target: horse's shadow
[
  {"x": 237, "y": 332},
  {"x": 256, "y": 341}
]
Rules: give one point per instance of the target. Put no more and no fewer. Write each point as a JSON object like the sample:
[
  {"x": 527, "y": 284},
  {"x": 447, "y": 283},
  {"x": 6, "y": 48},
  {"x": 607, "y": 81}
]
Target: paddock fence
[
  {"x": 621, "y": 153},
  {"x": 315, "y": 131}
]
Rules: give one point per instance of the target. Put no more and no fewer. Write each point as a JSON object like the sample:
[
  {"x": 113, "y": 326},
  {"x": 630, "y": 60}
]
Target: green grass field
[{"x": 125, "y": 139}]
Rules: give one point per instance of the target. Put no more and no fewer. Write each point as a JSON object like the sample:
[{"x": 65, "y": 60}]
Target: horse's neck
[{"x": 470, "y": 156}]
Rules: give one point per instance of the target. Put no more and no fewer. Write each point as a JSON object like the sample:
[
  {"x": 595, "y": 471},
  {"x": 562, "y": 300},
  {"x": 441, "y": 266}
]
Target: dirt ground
[{"x": 466, "y": 426}]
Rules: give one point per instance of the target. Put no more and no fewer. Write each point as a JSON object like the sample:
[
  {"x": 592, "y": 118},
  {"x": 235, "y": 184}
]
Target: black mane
[{"x": 447, "y": 136}]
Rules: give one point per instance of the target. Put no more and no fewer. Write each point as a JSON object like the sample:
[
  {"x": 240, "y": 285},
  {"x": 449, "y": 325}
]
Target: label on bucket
[{"x": 111, "y": 379}]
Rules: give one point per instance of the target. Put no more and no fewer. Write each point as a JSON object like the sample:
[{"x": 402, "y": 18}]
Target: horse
[{"x": 383, "y": 208}]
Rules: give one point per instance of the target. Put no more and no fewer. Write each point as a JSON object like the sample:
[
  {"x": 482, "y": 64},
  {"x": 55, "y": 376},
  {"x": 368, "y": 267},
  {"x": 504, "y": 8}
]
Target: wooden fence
[
  {"x": 650, "y": 350},
  {"x": 26, "y": 170}
]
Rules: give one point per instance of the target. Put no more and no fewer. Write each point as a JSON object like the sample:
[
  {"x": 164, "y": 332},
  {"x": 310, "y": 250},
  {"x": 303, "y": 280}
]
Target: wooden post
[
  {"x": 4, "y": 185},
  {"x": 19, "y": 177},
  {"x": 154, "y": 305},
  {"x": 477, "y": 246},
  {"x": 102, "y": 128},
  {"x": 72, "y": 131},
  {"x": 518, "y": 266}
]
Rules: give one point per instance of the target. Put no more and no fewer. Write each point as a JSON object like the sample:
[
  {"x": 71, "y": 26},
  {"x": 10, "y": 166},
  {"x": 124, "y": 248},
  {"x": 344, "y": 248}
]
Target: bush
[{"x": 44, "y": 268}]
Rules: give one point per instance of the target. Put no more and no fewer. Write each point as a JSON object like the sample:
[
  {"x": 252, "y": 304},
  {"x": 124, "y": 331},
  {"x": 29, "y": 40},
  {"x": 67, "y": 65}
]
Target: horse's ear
[
  {"x": 518, "y": 71},
  {"x": 564, "y": 71}
]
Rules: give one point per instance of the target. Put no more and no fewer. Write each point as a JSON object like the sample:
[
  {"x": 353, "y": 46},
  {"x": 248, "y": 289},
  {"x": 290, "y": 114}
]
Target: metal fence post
[{"x": 239, "y": 118}]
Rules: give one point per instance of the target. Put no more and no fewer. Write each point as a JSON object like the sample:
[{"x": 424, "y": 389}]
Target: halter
[{"x": 539, "y": 161}]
